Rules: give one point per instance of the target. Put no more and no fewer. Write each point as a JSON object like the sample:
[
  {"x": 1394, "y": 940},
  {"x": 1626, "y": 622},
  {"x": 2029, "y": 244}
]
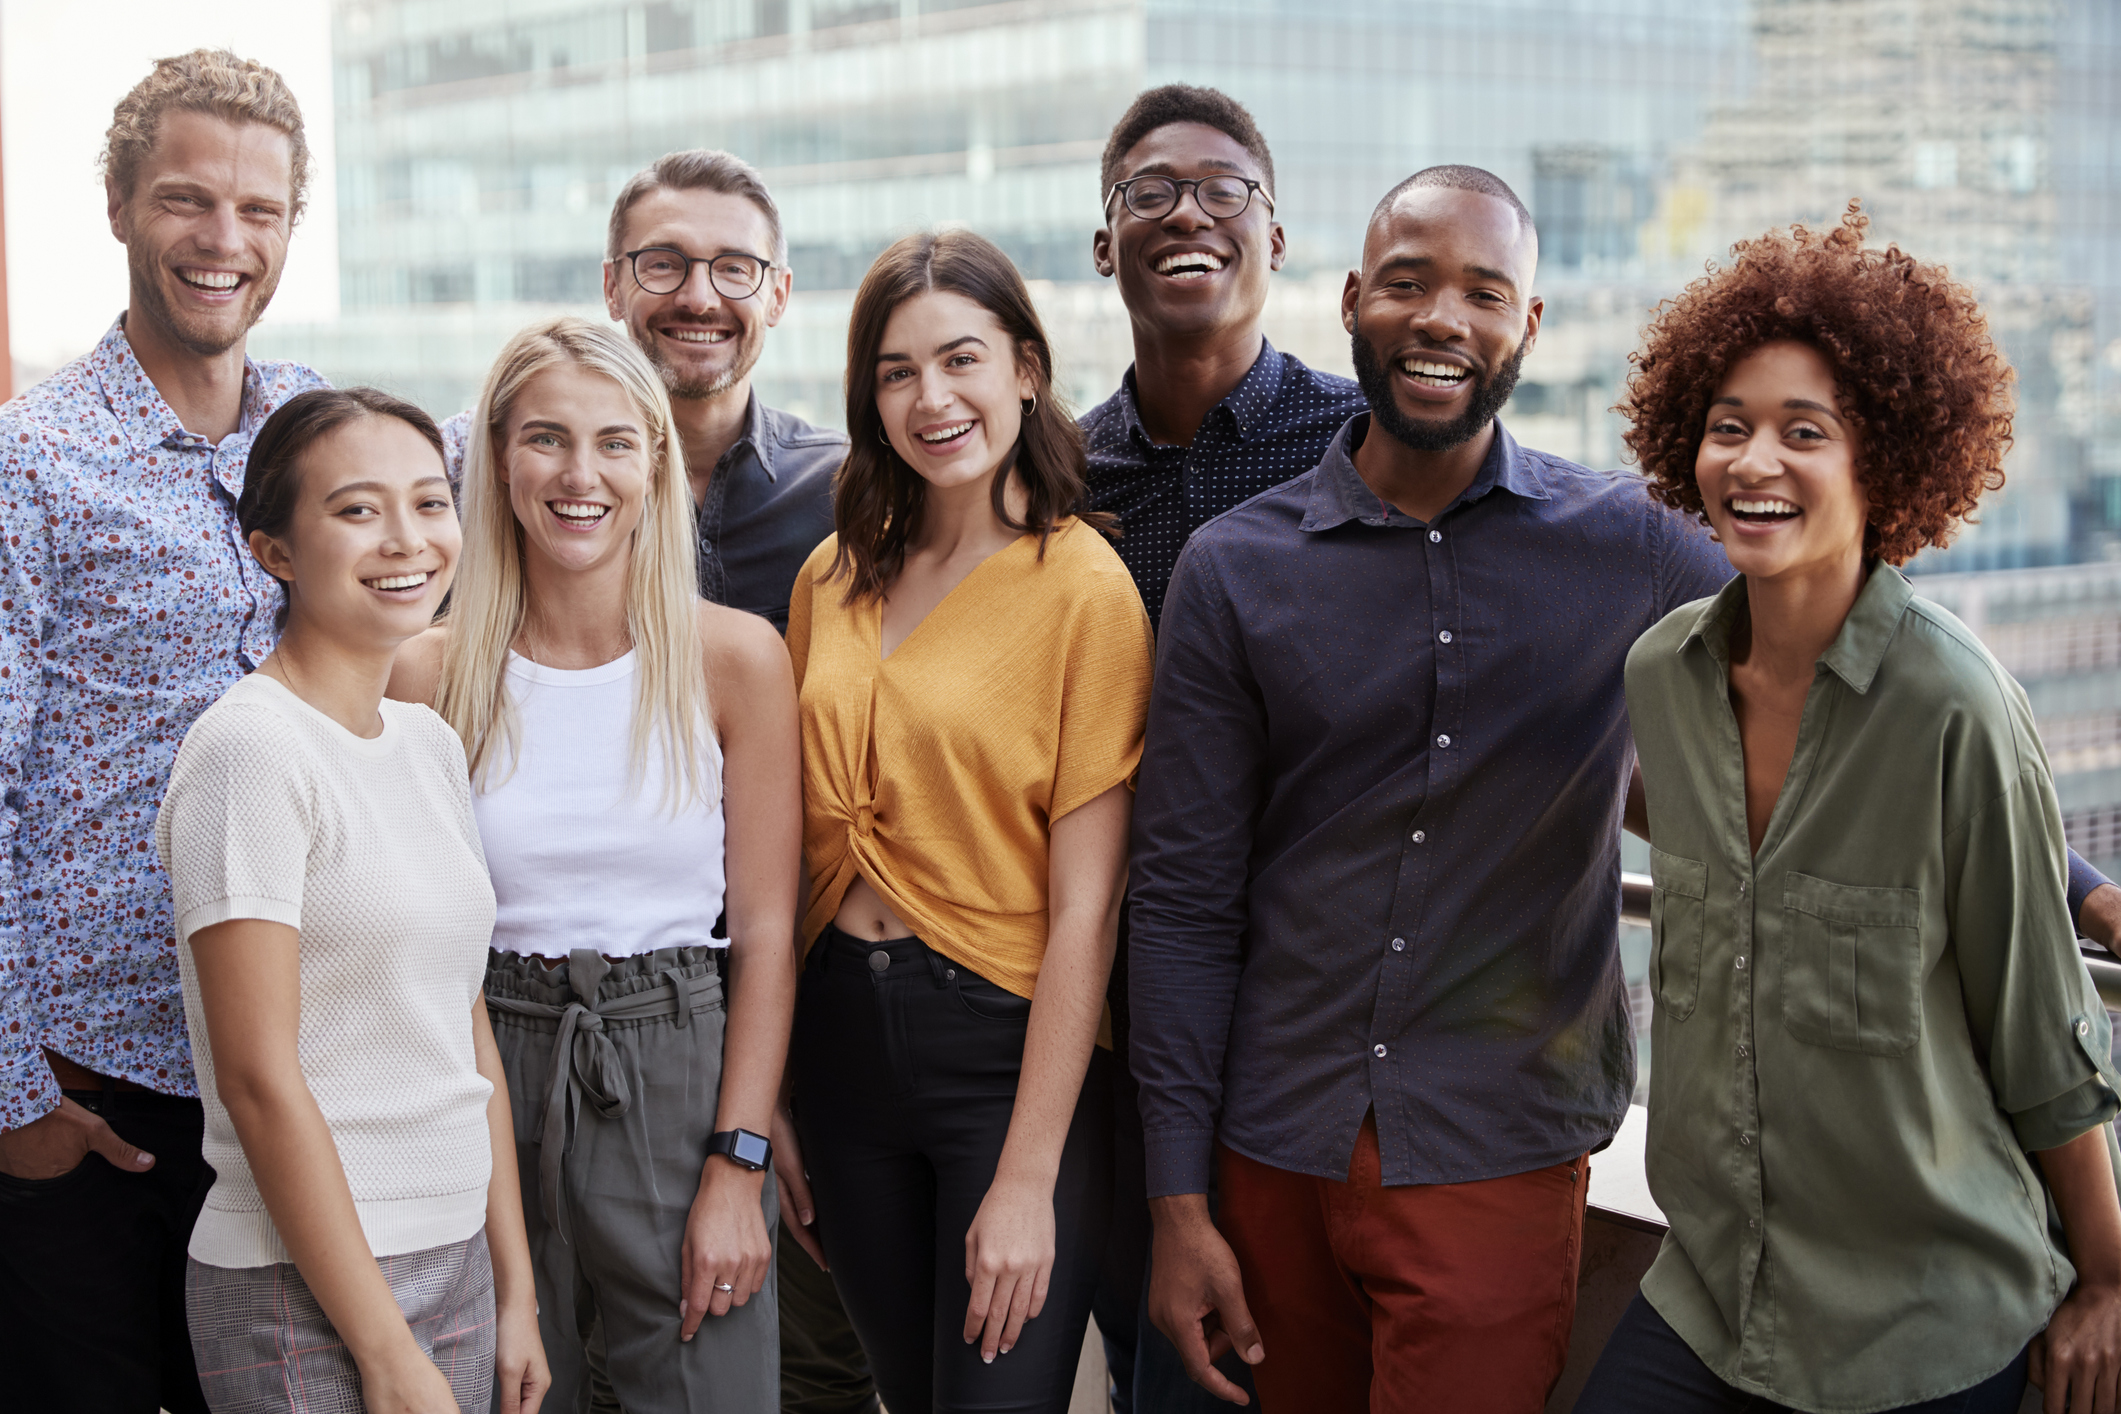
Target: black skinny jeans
[{"x": 906, "y": 1068}]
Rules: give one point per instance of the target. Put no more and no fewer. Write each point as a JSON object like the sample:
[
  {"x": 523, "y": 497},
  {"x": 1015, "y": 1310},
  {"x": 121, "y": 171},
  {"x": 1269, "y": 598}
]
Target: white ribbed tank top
[{"x": 578, "y": 860}]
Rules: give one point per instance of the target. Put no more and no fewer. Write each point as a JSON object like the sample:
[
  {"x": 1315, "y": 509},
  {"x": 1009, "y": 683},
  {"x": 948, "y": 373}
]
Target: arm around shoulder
[{"x": 416, "y": 673}]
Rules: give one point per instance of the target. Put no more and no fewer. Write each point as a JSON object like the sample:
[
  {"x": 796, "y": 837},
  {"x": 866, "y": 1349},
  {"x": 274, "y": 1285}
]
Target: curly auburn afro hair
[{"x": 1920, "y": 380}]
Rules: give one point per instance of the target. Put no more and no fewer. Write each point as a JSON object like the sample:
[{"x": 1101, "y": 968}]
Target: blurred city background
[{"x": 474, "y": 147}]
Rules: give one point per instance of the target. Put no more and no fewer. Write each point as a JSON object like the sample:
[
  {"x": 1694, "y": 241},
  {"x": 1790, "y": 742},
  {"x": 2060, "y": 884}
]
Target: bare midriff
[{"x": 864, "y": 914}]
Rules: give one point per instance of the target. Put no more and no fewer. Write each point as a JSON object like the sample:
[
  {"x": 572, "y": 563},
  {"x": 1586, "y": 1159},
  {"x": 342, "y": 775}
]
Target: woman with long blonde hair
[{"x": 635, "y": 775}]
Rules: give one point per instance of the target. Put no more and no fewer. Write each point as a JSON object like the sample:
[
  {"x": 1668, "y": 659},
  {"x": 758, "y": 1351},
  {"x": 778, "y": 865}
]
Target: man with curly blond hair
[
  {"x": 1882, "y": 1072},
  {"x": 128, "y": 604}
]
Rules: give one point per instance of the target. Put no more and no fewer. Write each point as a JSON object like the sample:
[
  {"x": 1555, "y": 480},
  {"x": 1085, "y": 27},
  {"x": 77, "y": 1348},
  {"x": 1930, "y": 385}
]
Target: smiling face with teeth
[
  {"x": 702, "y": 343},
  {"x": 205, "y": 231},
  {"x": 372, "y": 540},
  {"x": 575, "y": 463},
  {"x": 1441, "y": 316},
  {"x": 1188, "y": 274},
  {"x": 1777, "y": 467},
  {"x": 950, "y": 389}
]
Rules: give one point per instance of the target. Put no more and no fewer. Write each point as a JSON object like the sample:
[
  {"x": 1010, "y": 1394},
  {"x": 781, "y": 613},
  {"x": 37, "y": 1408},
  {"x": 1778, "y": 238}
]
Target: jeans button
[{"x": 879, "y": 960}]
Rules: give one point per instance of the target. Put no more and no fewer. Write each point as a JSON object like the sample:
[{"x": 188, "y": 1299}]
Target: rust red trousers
[{"x": 1376, "y": 1300}]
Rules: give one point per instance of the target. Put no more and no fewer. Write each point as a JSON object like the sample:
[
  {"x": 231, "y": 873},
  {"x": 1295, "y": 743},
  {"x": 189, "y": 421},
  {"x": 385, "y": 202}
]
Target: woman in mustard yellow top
[{"x": 974, "y": 665}]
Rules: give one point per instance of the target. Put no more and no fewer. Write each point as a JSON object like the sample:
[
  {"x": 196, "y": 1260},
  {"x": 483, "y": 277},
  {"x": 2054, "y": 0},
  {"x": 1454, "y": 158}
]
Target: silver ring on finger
[{"x": 723, "y": 1286}]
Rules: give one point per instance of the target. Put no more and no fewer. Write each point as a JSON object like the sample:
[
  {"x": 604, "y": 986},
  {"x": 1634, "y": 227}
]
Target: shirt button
[
  {"x": 1745, "y": 1139},
  {"x": 2084, "y": 1028},
  {"x": 1420, "y": 835},
  {"x": 1741, "y": 888},
  {"x": 1444, "y": 637},
  {"x": 1443, "y": 739},
  {"x": 1399, "y": 945},
  {"x": 879, "y": 960},
  {"x": 1378, "y": 1051},
  {"x": 1435, "y": 537},
  {"x": 1741, "y": 964},
  {"x": 1741, "y": 1053},
  {"x": 1753, "y": 1223}
]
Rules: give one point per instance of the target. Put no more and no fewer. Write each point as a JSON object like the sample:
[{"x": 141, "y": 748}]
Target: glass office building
[{"x": 480, "y": 143}]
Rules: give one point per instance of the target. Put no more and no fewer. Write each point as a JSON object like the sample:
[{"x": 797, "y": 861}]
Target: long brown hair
[{"x": 877, "y": 498}]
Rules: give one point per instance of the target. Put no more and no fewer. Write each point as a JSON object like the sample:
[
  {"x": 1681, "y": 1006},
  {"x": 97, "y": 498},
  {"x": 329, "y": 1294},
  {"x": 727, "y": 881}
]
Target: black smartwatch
[{"x": 742, "y": 1147}]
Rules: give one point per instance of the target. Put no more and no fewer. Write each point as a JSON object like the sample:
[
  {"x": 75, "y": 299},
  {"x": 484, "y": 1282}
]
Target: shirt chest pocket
[
  {"x": 1851, "y": 965},
  {"x": 1677, "y": 901}
]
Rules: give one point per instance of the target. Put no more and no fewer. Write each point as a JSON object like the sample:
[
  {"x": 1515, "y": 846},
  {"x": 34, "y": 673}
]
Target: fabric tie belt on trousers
[{"x": 584, "y": 1062}]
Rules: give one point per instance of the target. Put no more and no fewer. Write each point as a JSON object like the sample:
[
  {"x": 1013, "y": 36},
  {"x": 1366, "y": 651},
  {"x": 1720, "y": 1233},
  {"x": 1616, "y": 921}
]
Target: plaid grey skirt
[{"x": 264, "y": 1346}]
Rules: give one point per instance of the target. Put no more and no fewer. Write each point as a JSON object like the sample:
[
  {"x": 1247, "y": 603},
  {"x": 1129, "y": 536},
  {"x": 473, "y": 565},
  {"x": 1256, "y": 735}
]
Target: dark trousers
[
  {"x": 92, "y": 1270},
  {"x": 1147, "y": 1375},
  {"x": 823, "y": 1369},
  {"x": 1647, "y": 1367},
  {"x": 906, "y": 1067}
]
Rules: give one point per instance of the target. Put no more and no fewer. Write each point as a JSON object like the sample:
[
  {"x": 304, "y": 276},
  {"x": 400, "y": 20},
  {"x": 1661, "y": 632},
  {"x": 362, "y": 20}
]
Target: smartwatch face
[{"x": 750, "y": 1150}]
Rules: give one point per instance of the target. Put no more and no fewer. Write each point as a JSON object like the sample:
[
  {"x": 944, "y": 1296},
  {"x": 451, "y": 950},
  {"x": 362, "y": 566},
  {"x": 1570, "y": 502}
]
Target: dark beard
[
  {"x": 1489, "y": 394},
  {"x": 202, "y": 343}
]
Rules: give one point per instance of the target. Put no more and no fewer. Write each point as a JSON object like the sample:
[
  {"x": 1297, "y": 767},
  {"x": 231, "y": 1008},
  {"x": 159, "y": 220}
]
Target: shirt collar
[
  {"x": 1248, "y": 403},
  {"x": 1339, "y": 494},
  {"x": 141, "y": 410},
  {"x": 756, "y": 436},
  {"x": 1856, "y": 651}
]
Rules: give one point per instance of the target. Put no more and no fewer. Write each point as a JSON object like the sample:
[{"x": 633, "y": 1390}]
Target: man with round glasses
[
  {"x": 1210, "y": 415},
  {"x": 696, "y": 268}
]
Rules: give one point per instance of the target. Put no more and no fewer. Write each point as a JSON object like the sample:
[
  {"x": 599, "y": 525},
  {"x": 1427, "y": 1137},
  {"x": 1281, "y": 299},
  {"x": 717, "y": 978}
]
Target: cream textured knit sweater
[{"x": 368, "y": 849}]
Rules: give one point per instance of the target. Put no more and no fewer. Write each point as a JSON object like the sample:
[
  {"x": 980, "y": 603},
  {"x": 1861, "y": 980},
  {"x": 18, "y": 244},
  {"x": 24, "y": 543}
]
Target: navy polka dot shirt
[{"x": 1274, "y": 425}]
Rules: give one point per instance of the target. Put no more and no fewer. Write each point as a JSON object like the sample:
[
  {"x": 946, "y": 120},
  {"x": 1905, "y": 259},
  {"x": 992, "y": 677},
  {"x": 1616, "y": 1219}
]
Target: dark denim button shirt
[
  {"x": 768, "y": 505},
  {"x": 1377, "y": 837},
  {"x": 1275, "y": 424}
]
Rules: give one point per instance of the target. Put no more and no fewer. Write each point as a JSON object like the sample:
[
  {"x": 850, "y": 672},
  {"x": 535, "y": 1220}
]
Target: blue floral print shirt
[{"x": 128, "y": 604}]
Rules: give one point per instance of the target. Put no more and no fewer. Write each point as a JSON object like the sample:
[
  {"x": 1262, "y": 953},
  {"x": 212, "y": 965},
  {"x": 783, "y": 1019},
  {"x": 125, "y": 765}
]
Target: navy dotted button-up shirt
[
  {"x": 1377, "y": 838},
  {"x": 1274, "y": 425}
]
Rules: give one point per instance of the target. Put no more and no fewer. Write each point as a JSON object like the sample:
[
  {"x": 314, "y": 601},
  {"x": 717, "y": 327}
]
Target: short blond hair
[{"x": 212, "y": 81}]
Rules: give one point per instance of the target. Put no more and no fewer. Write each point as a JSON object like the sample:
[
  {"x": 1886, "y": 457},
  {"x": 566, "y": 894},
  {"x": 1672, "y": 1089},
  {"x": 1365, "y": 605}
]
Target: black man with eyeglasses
[{"x": 1210, "y": 415}]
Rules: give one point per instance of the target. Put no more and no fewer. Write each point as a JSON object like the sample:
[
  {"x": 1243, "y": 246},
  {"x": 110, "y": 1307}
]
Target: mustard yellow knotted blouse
[{"x": 937, "y": 773}]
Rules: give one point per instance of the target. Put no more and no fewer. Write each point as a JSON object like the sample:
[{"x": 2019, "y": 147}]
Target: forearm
[
  {"x": 2099, "y": 916},
  {"x": 291, "y": 1155},
  {"x": 2080, "y": 1174},
  {"x": 1062, "y": 1033},
  {"x": 507, "y": 1242},
  {"x": 761, "y": 1007}
]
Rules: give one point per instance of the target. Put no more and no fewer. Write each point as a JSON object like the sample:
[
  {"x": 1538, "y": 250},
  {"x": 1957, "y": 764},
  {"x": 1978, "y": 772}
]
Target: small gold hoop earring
[
  {"x": 1031, "y": 405},
  {"x": 883, "y": 436}
]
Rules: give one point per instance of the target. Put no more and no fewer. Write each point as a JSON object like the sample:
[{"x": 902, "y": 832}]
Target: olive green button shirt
[{"x": 1861, "y": 1031}]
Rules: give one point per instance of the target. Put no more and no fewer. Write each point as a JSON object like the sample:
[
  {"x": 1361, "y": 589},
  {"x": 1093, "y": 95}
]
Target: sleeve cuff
[
  {"x": 270, "y": 910},
  {"x": 28, "y": 1089},
  {"x": 2093, "y": 1102},
  {"x": 1179, "y": 1160},
  {"x": 2083, "y": 879}
]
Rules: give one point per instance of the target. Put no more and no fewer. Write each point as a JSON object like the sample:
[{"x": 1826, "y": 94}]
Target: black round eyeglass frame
[
  {"x": 732, "y": 289},
  {"x": 1162, "y": 195}
]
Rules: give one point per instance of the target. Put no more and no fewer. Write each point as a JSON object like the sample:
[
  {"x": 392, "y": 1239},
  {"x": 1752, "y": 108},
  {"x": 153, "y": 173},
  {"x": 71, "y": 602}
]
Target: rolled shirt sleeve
[
  {"x": 1202, "y": 777},
  {"x": 2030, "y": 1002}
]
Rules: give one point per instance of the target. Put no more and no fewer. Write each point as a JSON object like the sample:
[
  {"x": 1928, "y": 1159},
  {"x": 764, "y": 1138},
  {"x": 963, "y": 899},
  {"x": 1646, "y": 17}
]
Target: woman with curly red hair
[{"x": 1881, "y": 1067}]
